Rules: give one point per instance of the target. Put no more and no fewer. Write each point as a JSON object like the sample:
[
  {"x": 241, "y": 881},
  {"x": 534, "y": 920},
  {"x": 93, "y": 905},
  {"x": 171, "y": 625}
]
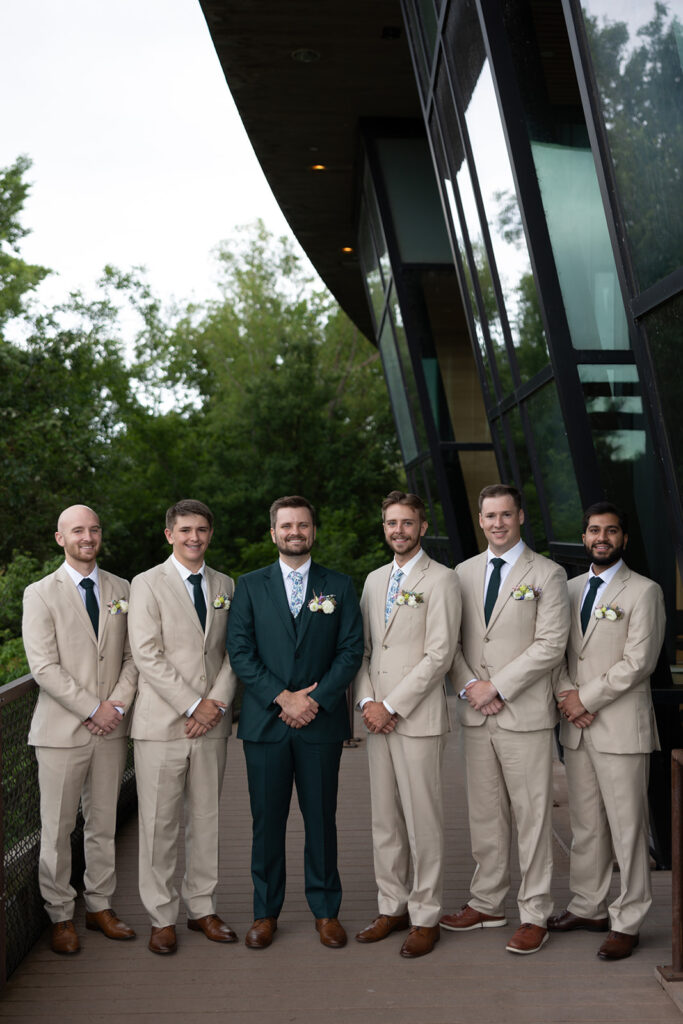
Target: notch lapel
[
  {"x": 275, "y": 588},
  {"x": 411, "y": 582},
  {"x": 519, "y": 570},
  {"x": 177, "y": 588},
  {"x": 317, "y": 579},
  {"x": 73, "y": 599},
  {"x": 610, "y": 593}
]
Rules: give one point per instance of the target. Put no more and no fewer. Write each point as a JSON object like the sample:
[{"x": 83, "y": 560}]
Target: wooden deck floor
[{"x": 468, "y": 978}]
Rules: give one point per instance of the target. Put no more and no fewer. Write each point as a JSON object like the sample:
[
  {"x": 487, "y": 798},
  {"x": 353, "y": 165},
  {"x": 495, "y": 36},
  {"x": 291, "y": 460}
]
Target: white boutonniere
[
  {"x": 609, "y": 611},
  {"x": 118, "y": 607},
  {"x": 409, "y": 597},
  {"x": 526, "y": 593},
  {"x": 222, "y": 601},
  {"x": 324, "y": 603}
]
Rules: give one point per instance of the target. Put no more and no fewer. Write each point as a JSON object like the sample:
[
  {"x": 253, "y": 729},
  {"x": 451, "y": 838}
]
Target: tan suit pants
[
  {"x": 92, "y": 774},
  {"x": 608, "y": 805},
  {"x": 172, "y": 775},
  {"x": 510, "y": 772},
  {"x": 407, "y": 824}
]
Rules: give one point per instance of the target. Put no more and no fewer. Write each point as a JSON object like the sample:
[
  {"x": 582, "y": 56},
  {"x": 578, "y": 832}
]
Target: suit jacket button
[
  {"x": 486, "y": 639},
  {"x": 385, "y": 647},
  {"x": 581, "y": 657},
  {"x": 202, "y": 679},
  {"x": 101, "y": 657}
]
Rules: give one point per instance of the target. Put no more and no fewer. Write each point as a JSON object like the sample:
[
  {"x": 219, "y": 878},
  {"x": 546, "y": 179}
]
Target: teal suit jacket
[{"x": 270, "y": 653}]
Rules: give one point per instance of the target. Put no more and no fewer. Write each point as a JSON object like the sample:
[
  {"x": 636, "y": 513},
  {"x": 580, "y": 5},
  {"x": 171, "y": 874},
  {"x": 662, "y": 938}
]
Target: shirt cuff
[
  {"x": 190, "y": 711},
  {"x": 389, "y": 708}
]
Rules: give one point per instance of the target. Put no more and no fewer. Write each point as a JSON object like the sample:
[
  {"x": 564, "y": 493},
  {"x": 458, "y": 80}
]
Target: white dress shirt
[
  {"x": 286, "y": 570},
  {"x": 607, "y": 575},
  {"x": 77, "y": 576}
]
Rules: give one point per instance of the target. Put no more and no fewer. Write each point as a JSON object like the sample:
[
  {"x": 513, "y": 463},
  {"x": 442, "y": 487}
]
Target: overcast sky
[{"x": 139, "y": 155}]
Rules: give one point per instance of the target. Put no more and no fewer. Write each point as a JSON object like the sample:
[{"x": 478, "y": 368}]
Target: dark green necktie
[
  {"x": 493, "y": 587},
  {"x": 199, "y": 602},
  {"x": 587, "y": 606},
  {"x": 91, "y": 605}
]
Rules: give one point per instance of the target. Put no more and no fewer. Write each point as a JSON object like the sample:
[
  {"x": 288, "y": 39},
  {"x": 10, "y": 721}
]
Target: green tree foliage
[{"x": 17, "y": 278}]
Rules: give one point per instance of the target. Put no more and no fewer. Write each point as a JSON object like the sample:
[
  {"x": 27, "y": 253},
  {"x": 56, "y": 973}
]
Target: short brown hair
[
  {"x": 413, "y": 501},
  {"x": 188, "y": 507},
  {"x": 290, "y": 501},
  {"x": 501, "y": 491}
]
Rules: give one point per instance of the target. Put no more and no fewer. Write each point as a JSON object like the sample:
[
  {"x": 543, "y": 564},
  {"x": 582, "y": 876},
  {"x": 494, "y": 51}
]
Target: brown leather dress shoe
[
  {"x": 528, "y": 939},
  {"x": 261, "y": 933},
  {"x": 64, "y": 938},
  {"x": 468, "y": 918},
  {"x": 568, "y": 922},
  {"x": 617, "y": 946},
  {"x": 420, "y": 940},
  {"x": 382, "y": 926},
  {"x": 213, "y": 928},
  {"x": 163, "y": 940},
  {"x": 331, "y": 932},
  {"x": 107, "y": 922}
]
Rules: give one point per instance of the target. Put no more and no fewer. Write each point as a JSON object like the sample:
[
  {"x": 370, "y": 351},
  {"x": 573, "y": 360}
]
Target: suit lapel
[
  {"x": 275, "y": 588},
  {"x": 411, "y": 582},
  {"x": 211, "y": 595},
  {"x": 513, "y": 579},
  {"x": 178, "y": 589},
  {"x": 479, "y": 571},
  {"x": 608, "y": 596},
  {"x": 106, "y": 597},
  {"x": 74, "y": 600},
  {"x": 317, "y": 578}
]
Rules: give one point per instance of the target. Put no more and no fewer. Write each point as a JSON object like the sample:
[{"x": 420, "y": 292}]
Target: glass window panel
[
  {"x": 397, "y": 393},
  {"x": 532, "y": 505},
  {"x": 665, "y": 331},
  {"x": 479, "y": 469},
  {"x": 581, "y": 246},
  {"x": 506, "y": 474},
  {"x": 408, "y": 374},
  {"x": 637, "y": 53},
  {"x": 376, "y": 227},
  {"x": 429, "y": 25},
  {"x": 370, "y": 267},
  {"x": 438, "y": 522},
  {"x": 557, "y": 470}
]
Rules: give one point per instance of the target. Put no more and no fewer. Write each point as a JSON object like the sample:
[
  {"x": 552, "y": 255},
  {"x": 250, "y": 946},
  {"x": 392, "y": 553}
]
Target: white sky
[{"x": 139, "y": 155}]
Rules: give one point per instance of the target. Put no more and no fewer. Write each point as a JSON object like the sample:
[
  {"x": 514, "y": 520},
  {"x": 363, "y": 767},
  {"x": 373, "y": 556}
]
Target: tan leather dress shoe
[
  {"x": 617, "y": 946},
  {"x": 64, "y": 938},
  {"x": 107, "y": 922},
  {"x": 420, "y": 940},
  {"x": 468, "y": 918},
  {"x": 213, "y": 928},
  {"x": 331, "y": 932},
  {"x": 528, "y": 939},
  {"x": 163, "y": 940},
  {"x": 568, "y": 922},
  {"x": 382, "y": 926},
  {"x": 261, "y": 933}
]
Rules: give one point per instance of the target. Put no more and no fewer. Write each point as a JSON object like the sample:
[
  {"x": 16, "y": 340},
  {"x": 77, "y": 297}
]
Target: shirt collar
[
  {"x": 77, "y": 576},
  {"x": 184, "y": 571},
  {"x": 608, "y": 575},
  {"x": 510, "y": 556},
  {"x": 408, "y": 567},
  {"x": 286, "y": 569}
]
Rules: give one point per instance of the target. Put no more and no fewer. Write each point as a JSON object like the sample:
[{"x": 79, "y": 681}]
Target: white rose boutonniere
[
  {"x": 609, "y": 612},
  {"x": 324, "y": 603},
  {"x": 526, "y": 593},
  {"x": 409, "y": 597},
  {"x": 222, "y": 602},
  {"x": 118, "y": 607}
]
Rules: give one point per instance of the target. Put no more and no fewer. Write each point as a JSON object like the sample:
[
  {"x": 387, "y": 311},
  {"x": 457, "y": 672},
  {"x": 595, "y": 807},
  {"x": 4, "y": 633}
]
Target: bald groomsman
[
  {"x": 608, "y": 731},
  {"x": 411, "y": 619},
  {"x": 76, "y": 640},
  {"x": 515, "y": 621}
]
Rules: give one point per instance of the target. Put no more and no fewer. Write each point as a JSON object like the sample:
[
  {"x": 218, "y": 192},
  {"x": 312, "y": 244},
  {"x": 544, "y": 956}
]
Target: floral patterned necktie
[
  {"x": 297, "y": 598},
  {"x": 392, "y": 593}
]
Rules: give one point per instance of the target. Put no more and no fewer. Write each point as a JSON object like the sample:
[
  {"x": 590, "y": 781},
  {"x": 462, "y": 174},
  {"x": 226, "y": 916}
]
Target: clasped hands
[
  {"x": 570, "y": 707},
  {"x": 297, "y": 708},
  {"x": 105, "y": 719},
  {"x": 482, "y": 695},
  {"x": 378, "y": 718},
  {"x": 205, "y": 717}
]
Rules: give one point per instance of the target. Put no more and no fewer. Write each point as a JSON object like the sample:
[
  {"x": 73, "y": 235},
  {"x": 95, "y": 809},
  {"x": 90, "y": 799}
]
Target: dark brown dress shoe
[
  {"x": 468, "y": 918},
  {"x": 528, "y": 939},
  {"x": 163, "y": 940},
  {"x": 382, "y": 926},
  {"x": 331, "y": 932},
  {"x": 568, "y": 922},
  {"x": 617, "y": 946},
  {"x": 107, "y": 922},
  {"x": 64, "y": 938},
  {"x": 261, "y": 933},
  {"x": 213, "y": 928},
  {"x": 420, "y": 940}
]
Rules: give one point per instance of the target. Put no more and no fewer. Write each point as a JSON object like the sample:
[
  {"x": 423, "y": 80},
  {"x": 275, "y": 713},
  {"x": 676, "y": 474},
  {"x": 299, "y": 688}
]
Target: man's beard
[{"x": 610, "y": 559}]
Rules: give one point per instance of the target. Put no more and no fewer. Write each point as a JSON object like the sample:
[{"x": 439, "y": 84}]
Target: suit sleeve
[
  {"x": 641, "y": 650},
  {"x": 42, "y": 650},
  {"x": 460, "y": 673},
  {"x": 348, "y": 654},
  {"x": 442, "y": 626},
  {"x": 362, "y": 684},
  {"x": 147, "y": 644},
  {"x": 263, "y": 684},
  {"x": 549, "y": 643}
]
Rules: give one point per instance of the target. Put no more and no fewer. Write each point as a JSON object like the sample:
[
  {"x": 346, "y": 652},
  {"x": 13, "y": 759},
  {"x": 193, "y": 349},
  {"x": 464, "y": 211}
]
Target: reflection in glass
[
  {"x": 581, "y": 246},
  {"x": 397, "y": 393},
  {"x": 506, "y": 474},
  {"x": 376, "y": 227},
  {"x": 665, "y": 330},
  {"x": 557, "y": 470},
  {"x": 438, "y": 523},
  {"x": 532, "y": 505},
  {"x": 479, "y": 469},
  {"x": 407, "y": 367},
  {"x": 370, "y": 266},
  {"x": 637, "y": 58}
]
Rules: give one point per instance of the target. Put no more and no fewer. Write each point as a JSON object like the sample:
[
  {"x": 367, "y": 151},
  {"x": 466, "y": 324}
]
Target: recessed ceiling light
[
  {"x": 318, "y": 167},
  {"x": 347, "y": 248}
]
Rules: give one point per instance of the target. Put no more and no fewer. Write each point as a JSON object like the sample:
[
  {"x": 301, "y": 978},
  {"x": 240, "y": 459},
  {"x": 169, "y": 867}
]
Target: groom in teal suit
[{"x": 295, "y": 639}]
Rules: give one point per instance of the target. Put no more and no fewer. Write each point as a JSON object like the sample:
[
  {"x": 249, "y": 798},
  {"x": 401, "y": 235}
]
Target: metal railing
[
  {"x": 22, "y": 916},
  {"x": 674, "y": 970}
]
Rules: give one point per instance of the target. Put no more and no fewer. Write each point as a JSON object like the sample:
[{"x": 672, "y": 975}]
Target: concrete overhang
[{"x": 303, "y": 75}]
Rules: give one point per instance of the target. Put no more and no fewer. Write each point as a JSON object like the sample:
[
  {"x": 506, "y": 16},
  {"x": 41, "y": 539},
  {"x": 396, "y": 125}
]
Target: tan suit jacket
[
  {"x": 611, "y": 664},
  {"x": 405, "y": 660},
  {"x": 73, "y": 668},
  {"x": 521, "y": 645},
  {"x": 178, "y": 662}
]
